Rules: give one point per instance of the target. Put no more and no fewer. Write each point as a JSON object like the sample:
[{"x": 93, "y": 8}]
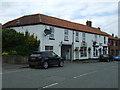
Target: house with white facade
[{"x": 68, "y": 39}]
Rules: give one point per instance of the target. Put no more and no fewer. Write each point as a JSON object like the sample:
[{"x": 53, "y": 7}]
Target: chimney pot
[
  {"x": 113, "y": 35},
  {"x": 99, "y": 28},
  {"x": 89, "y": 23}
]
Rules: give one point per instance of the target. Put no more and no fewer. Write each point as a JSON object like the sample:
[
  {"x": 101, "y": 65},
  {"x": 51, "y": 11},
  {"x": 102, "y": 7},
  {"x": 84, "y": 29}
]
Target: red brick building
[{"x": 113, "y": 45}]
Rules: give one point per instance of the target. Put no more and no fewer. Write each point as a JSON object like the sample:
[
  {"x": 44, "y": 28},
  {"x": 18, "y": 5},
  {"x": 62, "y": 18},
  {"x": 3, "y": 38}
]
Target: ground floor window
[
  {"x": 77, "y": 53},
  {"x": 104, "y": 50},
  {"x": 95, "y": 52},
  {"x": 83, "y": 51},
  {"x": 48, "y": 48}
]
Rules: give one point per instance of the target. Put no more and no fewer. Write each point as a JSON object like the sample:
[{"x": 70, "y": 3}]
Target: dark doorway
[{"x": 66, "y": 52}]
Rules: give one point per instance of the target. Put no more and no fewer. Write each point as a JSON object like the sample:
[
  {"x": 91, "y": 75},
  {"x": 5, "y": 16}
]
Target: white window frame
[
  {"x": 95, "y": 37},
  {"x": 51, "y": 36},
  {"x": 66, "y": 33},
  {"x": 83, "y": 36},
  {"x": 50, "y": 48},
  {"x": 83, "y": 53},
  {"x": 95, "y": 52},
  {"x": 104, "y": 40},
  {"x": 77, "y": 36}
]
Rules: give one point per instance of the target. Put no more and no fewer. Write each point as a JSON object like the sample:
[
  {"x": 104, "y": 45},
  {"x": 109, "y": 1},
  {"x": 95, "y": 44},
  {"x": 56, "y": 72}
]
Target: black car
[
  {"x": 45, "y": 59},
  {"x": 105, "y": 58}
]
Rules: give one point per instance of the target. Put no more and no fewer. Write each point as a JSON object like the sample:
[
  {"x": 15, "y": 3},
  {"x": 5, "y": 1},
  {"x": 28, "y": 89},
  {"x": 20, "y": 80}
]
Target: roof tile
[{"x": 40, "y": 18}]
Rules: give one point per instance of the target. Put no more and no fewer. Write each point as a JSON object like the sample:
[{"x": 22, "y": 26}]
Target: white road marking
[
  {"x": 50, "y": 85},
  {"x": 85, "y": 74}
]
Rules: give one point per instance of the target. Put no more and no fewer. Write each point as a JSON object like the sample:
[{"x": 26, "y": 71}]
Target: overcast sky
[{"x": 102, "y": 13}]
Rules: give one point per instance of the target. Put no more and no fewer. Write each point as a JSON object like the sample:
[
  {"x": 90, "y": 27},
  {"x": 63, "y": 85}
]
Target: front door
[
  {"x": 89, "y": 54},
  {"x": 66, "y": 52}
]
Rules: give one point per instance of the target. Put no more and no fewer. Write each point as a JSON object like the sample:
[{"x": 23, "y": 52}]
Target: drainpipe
[{"x": 73, "y": 47}]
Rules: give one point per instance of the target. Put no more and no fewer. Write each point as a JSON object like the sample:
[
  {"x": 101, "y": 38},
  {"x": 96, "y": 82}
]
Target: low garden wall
[{"x": 14, "y": 59}]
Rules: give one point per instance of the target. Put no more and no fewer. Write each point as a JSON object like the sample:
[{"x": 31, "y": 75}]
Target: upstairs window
[
  {"x": 77, "y": 36},
  {"x": 83, "y": 36},
  {"x": 112, "y": 43},
  {"x": 99, "y": 36},
  {"x": 95, "y": 37},
  {"x": 51, "y": 36},
  {"x": 116, "y": 44},
  {"x": 66, "y": 35},
  {"x": 104, "y": 40}
]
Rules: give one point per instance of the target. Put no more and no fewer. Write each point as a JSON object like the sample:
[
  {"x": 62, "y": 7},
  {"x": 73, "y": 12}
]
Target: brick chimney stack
[
  {"x": 99, "y": 28},
  {"x": 89, "y": 23},
  {"x": 113, "y": 35}
]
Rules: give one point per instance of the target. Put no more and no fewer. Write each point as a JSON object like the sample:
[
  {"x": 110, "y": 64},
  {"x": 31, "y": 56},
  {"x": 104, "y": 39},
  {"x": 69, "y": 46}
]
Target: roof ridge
[
  {"x": 69, "y": 21},
  {"x": 42, "y": 18}
]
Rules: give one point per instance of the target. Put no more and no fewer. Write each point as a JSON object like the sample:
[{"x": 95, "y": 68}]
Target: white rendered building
[{"x": 67, "y": 39}]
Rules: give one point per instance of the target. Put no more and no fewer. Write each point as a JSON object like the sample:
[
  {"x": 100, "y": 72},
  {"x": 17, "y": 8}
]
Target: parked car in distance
[
  {"x": 45, "y": 59},
  {"x": 116, "y": 58},
  {"x": 105, "y": 58}
]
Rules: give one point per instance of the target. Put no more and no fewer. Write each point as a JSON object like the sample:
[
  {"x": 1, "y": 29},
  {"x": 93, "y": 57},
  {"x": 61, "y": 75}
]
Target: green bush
[
  {"x": 5, "y": 53},
  {"x": 16, "y": 43}
]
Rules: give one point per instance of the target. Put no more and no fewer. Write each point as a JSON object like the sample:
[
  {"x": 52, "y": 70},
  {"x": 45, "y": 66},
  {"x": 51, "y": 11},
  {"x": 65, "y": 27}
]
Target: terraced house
[
  {"x": 68, "y": 39},
  {"x": 114, "y": 45}
]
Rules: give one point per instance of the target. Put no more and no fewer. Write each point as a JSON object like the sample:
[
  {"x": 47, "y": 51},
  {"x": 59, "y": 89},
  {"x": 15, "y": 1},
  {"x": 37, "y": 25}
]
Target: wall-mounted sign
[{"x": 47, "y": 31}]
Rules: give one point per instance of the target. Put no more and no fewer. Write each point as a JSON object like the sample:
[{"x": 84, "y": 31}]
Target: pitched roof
[
  {"x": 110, "y": 36},
  {"x": 44, "y": 19}
]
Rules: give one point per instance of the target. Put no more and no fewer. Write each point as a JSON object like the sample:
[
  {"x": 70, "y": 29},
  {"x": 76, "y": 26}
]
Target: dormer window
[
  {"x": 66, "y": 35},
  {"x": 51, "y": 36}
]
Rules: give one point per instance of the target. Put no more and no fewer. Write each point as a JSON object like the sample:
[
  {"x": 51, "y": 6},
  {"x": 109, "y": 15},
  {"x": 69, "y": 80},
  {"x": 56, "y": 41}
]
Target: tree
[{"x": 18, "y": 43}]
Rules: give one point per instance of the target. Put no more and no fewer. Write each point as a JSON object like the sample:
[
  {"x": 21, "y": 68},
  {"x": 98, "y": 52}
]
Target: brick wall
[
  {"x": 114, "y": 48},
  {"x": 14, "y": 59}
]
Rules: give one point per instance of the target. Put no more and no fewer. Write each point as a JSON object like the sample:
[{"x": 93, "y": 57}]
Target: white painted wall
[{"x": 38, "y": 31}]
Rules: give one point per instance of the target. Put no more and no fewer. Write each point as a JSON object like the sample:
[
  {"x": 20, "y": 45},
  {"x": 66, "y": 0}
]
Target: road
[{"x": 72, "y": 75}]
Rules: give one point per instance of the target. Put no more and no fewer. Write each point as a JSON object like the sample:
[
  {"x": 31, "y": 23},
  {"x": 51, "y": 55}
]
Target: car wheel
[
  {"x": 45, "y": 65},
  {"x": 61, "y": 64},
  {"x": 108, "y": 60}
]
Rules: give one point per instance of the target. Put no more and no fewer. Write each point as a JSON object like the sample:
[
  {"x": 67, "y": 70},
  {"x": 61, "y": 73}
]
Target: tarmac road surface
[{"x": 72, "y": 75}]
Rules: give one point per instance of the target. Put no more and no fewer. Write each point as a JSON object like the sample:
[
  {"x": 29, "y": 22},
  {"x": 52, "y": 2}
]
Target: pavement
[{"x": 7, "y": 67}]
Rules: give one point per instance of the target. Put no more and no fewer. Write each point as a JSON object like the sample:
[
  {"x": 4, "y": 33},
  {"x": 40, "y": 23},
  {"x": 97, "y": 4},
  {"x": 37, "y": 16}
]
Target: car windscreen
[{"x": 41, "y": 54}]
